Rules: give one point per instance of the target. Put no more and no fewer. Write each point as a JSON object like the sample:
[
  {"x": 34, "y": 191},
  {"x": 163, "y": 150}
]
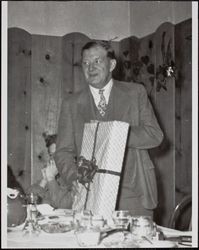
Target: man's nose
[{"x": 91, "y": 66}]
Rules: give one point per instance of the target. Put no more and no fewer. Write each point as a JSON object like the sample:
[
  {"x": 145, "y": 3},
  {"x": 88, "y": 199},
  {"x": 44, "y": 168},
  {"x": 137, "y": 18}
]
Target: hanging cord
[
  {"x": 93, "y": 160},
  {"x": 94, "y": 146}
]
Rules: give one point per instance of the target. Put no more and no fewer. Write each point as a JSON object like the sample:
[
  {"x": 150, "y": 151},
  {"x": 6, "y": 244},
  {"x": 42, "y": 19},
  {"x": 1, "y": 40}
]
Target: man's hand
[
  {"x": 51, "y": 171},
  {"x": 75, "y": 187},
  {"x": 44, "y": 180}
]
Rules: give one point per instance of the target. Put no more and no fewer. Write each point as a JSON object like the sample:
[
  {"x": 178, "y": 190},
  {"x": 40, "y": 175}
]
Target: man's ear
[{"x": 112, "y": 64}]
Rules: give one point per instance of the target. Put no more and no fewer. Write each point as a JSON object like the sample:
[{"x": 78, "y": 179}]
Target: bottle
[{"x": 31, "y": 226}]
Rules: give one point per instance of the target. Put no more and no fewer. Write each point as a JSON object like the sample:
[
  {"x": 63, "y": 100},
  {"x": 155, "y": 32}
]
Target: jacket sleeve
[
  {"x": 59, "y": 196},
  {"x": 65, "y": 145},
  {"x": 147, "y": 134}
]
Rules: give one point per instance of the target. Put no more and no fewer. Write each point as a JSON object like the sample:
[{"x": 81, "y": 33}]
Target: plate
[
  {"x": 46, "y": 209},
  {"x": 56, "y": 227},
  {"x": 55, "y": 219}
]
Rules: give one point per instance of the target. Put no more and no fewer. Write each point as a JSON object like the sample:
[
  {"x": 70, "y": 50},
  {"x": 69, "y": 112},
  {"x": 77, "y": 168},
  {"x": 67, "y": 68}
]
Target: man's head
[{"x": 98, "y": 62}]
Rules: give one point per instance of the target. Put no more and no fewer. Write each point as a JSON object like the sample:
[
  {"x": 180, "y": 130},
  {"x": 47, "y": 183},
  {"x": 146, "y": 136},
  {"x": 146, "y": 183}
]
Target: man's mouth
[{"x": 93, "y": 75}]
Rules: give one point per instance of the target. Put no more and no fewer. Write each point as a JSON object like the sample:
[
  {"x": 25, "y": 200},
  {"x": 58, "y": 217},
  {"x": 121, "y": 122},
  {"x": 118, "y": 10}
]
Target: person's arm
[
  {"x": 60, "y": 196},
  {"x": 38, "y": 189},
  {"x": 65, "y": 145},
  {"x": 148, "y": 134}
]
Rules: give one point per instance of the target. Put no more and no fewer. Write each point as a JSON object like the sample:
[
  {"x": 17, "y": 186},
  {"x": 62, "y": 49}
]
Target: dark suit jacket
[{"x": 129, "y": 103}]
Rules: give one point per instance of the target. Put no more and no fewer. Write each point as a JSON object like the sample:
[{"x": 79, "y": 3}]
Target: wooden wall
[
  {"x": 48, "y": 69},
  {"x": 141, "y": 59}
]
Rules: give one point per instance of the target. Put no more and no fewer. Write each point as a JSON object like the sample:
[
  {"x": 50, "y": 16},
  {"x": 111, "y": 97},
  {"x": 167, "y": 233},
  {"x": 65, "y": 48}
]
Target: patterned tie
[{"x": 102, "y": 103}]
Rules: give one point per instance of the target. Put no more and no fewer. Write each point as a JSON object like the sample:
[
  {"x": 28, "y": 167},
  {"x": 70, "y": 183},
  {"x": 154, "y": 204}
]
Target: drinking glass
[
  {"x": 121, "y": 218},
  {"x": 142, "y": 227},
  {"x": 82, "y": 218}
]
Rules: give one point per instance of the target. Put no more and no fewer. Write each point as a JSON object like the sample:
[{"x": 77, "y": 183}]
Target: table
[{"x": 15, "y": 239}]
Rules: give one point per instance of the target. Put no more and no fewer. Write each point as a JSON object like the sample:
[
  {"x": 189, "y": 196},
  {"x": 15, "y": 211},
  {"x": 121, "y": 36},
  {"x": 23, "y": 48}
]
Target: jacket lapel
[{"x": 84, "y": 107}]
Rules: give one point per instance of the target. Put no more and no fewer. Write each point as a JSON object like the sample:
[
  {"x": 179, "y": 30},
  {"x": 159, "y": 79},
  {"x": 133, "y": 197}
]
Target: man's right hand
[{"x": 51, "y": 171}]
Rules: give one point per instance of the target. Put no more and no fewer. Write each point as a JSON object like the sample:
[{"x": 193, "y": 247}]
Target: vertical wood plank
[
  {"x": 183, "y": 52},
  {"x": 165, "y": 107},
  {"x": 147, "y": 56},
  {"x": 46, "y": 95},
  {"x": 73, "y": 77},
  {"x": 19, "y": 104},
  {"x": 128, "y": 54}
]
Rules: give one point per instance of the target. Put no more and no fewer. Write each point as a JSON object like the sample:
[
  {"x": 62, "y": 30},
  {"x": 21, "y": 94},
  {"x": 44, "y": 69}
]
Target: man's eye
[
  {"x": 86, "y": 63},
  {"x": 98, "y": 61}
]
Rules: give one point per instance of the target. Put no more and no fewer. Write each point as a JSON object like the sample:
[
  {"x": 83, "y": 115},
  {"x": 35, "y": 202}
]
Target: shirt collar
[{"x": 107, "y": 90}]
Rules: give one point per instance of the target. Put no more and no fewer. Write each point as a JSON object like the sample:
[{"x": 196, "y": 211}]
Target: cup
[
  {"x": 142, "y": 226},
  {"x": 82, "y": 218},
  {"x": 121, "y": 218}
]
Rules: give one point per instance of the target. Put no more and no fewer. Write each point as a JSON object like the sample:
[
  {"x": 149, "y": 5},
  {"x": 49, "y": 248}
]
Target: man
[
  {"x": 120, "y": 101},
  {"x": 51, "y": 189}
]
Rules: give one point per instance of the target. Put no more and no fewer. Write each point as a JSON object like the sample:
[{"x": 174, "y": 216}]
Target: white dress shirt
[{"x": 107, "y": 91}]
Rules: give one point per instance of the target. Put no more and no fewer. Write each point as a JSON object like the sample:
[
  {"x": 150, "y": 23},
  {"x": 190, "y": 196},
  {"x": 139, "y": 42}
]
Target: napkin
[
  {"x": 45, "y": 209},
  {"x": 109, "y": 153}
]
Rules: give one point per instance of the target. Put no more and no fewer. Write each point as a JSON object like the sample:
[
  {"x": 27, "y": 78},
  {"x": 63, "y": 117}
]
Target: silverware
[
  {"x": 106, "y": 233},
  {"x": 147, "y": 239}
]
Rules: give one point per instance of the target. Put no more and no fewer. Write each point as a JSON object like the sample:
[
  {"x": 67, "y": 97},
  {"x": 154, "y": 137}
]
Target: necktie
[{"x": 102, "y": 103}]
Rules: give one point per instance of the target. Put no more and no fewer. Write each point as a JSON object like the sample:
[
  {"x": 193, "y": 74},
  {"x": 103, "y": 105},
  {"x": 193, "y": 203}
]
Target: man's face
[{"x": 97, "y": 67}]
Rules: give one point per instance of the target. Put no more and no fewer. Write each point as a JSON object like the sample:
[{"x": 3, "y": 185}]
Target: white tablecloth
[{"x": 15, "y": 239}]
